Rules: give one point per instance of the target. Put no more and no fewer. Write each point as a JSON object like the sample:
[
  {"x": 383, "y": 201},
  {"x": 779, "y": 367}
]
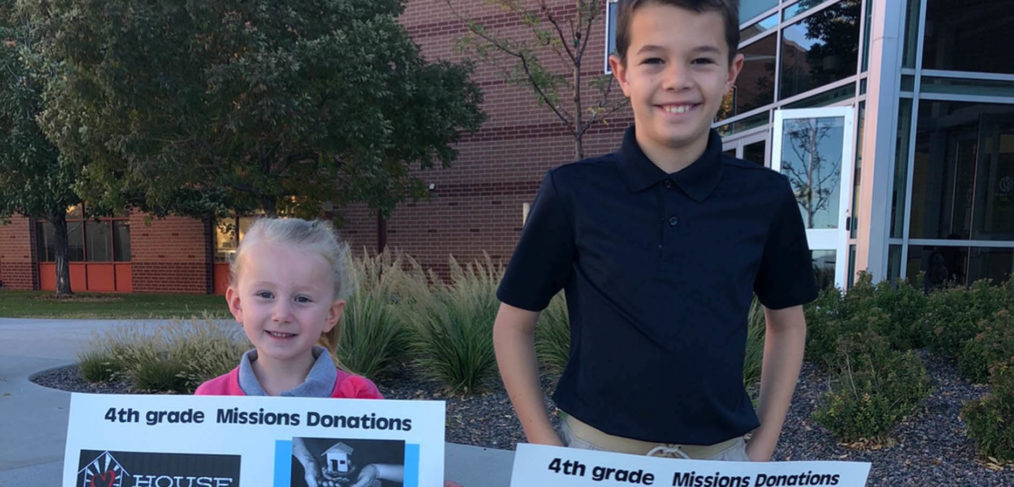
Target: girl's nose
[{"x": 282, "y": 310}]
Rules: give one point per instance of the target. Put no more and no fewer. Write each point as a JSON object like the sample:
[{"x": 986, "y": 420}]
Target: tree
[
  {"x": 565, "y": 35},
  {"x": 32, "y": 180},
  {"x": 202, "y": 107}
]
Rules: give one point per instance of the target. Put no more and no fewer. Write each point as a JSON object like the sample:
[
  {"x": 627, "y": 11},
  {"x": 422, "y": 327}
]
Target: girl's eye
[
  {"x": 303, "y": 299},
  {"x": 264, "y": 294}
]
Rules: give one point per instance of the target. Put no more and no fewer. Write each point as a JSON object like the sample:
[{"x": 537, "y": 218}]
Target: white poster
[
  {"x": 539, "y": 465},
  {"x": 231, "y": 441}
]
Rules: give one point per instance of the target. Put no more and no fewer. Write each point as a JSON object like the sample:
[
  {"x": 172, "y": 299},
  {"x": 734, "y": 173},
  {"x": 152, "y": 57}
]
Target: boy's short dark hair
[{"x": 728, "y": 9}]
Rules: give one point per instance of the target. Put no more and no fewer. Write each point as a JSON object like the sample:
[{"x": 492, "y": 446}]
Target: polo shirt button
[
  {"x": 673, "y": 221},
  {"x": 667, "y": 184}
]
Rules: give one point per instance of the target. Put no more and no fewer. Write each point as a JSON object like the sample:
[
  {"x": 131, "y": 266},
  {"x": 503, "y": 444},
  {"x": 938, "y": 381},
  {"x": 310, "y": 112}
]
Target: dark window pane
[
  {"x": 46, "y": 238},
  {"x": 911, "y": 33},
  {"x": 121, "y": 241},
  {"x": 973, "y": 35},
  {"x": 755, "y": 86},
  {"x": 941, "y": 265},
  {"x": 755, "y": 152},
  {"x": 823, "y": 267},
  {"x": 99, "y": 246},
  {"x": 75, "y": 245},
  {"x": 963, "y": 180},
  {"x": 901, "y": 167},
  {"x": 820, "y": 49}
]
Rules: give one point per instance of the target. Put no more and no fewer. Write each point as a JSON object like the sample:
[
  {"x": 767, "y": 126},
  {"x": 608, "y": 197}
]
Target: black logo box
[{"x": 145, "y": 464}]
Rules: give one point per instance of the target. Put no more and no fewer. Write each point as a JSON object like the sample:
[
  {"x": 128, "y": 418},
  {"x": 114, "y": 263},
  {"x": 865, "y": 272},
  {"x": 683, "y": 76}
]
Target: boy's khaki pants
[{"x": 577, "y": 434}]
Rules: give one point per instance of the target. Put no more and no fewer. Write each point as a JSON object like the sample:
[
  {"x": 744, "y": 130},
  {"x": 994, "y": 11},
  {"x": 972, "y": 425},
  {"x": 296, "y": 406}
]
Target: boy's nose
[{"x": 675, "y": 77}]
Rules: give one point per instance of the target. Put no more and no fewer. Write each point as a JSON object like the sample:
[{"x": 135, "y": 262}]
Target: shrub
[
  {"x": 824, "y": 347},
  {"x": 953, "y": 316},
  {"x": 823, "y": 318},
  {"x": 372, "y": 339},
  {"x": 873, "y": 389},
  {"x": 905, "y": 306},
  {"x": 992, "y": 346},
  {"x": 989, "y": 419},
  {"x": 455, "y": 328},
  {"x": 552, "y": 335},
  {"x": 756, "y": 326},
  {"x": 98, "y": 366},
  {"x": 175, "y": 357}
]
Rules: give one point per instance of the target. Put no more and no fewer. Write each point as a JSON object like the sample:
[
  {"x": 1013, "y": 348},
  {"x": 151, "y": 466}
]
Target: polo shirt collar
[{"x": 697, "y": 180}]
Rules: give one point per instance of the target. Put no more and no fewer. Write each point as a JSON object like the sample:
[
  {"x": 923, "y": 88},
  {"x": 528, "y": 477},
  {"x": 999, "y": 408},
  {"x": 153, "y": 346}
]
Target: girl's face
[{"x": 284, "y": 297}]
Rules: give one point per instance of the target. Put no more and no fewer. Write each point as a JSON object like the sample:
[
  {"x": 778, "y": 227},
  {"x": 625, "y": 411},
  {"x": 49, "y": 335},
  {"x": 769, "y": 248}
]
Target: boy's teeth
[{"x": 676, "y": 108}]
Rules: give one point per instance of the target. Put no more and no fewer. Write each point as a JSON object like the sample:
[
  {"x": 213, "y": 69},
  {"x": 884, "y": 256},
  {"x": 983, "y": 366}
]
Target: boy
[{"x": 659, "y": 247}]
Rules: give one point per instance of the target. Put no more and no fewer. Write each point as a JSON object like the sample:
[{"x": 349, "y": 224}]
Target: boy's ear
[
  {"x": 620, "y": 73},
  {"x": 334, "y": 314},
  {"x": 734, "y": 68},
  {"x": 235, "y": 306}
]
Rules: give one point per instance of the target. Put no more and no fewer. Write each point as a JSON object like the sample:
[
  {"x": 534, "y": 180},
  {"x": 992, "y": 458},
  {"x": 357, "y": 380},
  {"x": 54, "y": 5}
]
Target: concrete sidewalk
[{"x": 33, "y": 419}]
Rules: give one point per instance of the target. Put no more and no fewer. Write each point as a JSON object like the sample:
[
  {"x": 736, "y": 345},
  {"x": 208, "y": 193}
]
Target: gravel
[{"x": 929, "y": 448}]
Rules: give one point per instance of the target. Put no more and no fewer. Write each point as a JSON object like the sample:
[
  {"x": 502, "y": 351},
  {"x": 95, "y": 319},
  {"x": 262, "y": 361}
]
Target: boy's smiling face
[{"x": 676, "y": 72}]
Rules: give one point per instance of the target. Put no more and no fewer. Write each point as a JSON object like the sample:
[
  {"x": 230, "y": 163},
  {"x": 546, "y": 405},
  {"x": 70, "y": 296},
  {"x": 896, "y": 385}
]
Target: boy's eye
[
  {"x": 652, "y": 60},
  {"x": 703, "y": 60}
]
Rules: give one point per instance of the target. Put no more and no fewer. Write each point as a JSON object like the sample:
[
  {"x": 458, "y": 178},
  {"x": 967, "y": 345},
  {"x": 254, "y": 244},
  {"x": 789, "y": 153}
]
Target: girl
[{"x": 289, "y": 279}]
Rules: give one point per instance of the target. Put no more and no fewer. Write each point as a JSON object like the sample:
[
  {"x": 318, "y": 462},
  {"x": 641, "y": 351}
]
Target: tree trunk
[{"x": 59, "y": 221}]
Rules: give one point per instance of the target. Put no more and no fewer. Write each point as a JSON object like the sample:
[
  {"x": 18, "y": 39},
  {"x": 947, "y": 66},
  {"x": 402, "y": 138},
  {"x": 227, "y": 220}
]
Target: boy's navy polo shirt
[{"x": 659, "y": 271}]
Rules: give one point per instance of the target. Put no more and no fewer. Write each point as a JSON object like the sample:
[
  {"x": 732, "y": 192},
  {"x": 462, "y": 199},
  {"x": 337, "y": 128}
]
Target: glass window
[
  {"x": 99, "y": 242},
  {"x": 755, "y": 152},
  {"x": 749, "y": 9},
  {"x": 758, "y": 28},
  {"x": 894, "y": 262},
  {"x": 973, "y": 35},
  {"x": 121, "y": 241},
  {"x": 823, "y": 267},
  {"x": 820, "y": 49},
  {"x": 811, "y": 159},
  {"x": 911, "y": 34},
  {"x": 826, "y": 98},
  {"x": 612, "y": 7},
  {"x": 46, "y": 241},
  {"x": 857, "y": 175},
  {"x": 901, "y": 167},
  {"x": 755, "y": 86},
  {"x": 980, "y": 87},
  {"x": 943, "y": 264},
  {"x": 867, "y": 20},
  {"x": 745, "y": 124},
  {"x": 963, "y": 180},
  {"x": 75, "y": 244},
  {"x": 228, "y": 234}
]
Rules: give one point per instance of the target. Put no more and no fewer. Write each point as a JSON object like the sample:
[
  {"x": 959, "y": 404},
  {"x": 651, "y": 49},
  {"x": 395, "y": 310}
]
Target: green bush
[
  {"x": 455, "y": 328},
  {"x": 823, "y": 326},
  {"x": 175, "y": 357},
  {"x": 552, "y": 335},
  {"x": 990, "y": 419},
  {"x": 953, "y": 316},
  {"x": 905, "y": 306},
  {"x": 992, "y": 346},
  {"x": 873, "y": 389},
  {"x": 754, "y": 358},
  {"x": 824, "y": 341},
  {"x": 372, "y": 339}
]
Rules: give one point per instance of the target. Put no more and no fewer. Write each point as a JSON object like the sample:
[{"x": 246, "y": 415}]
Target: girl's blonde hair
[{"x": 316, "y": 236}]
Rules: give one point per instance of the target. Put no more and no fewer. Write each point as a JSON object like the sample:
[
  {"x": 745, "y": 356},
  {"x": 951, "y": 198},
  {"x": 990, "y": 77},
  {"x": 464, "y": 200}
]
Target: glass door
[{"x": 813, "y": 148}]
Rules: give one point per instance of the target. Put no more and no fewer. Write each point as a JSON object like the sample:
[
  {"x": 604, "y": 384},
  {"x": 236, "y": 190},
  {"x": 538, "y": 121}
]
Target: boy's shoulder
[{"x": 738, "y": 171}]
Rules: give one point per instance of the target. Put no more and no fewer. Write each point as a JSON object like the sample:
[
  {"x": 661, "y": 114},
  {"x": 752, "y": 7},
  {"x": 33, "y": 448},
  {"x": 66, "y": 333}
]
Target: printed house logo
[
  {"x": 104, "y": 471},
  {"x": 97, "y": 468}
]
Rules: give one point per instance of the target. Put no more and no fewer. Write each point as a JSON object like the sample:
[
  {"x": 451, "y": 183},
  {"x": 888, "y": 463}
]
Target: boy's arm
[
  {"x": 784, "y": 343},
  {"x": 514, "y": 342}
]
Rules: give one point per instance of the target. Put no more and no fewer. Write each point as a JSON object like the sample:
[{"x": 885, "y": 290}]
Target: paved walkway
[{"x": 33, "y": 419}]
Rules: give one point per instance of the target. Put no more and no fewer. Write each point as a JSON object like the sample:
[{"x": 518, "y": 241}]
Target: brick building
[{"x": 917, "y": 96}]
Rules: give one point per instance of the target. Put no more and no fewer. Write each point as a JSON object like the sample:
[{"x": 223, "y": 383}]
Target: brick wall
[
  {"x": 16, "y": 243},
  {"x": 169, "y": 255},
  {"x": 476, "y": 204}
]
